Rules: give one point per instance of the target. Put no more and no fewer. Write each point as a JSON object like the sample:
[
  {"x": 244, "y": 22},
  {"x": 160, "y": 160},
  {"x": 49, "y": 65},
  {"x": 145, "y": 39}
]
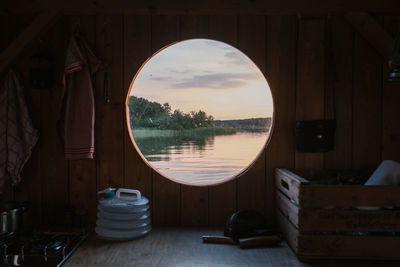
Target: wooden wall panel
[
  {"x": 310, "y": 81},
  {"x": 54, "y": 169},
  {"x": 281, "y": 76},
  {"x": 137, "y": 48},
  {"x": 110, "y": 113},
  {"x": 194, "y": 200},
  {"x": 367, "y": 106},
  {"x": 30, "y": 188},
  {"x": 252, "y": 41},
  {"x": 82, "y": 173},
  {"x": 306, "y": 62},
  {"x": 7, "y": 30},
  {"x": 390, "y": 103},
  {"x": 339, "y": 82},
  {"x": 391, "y": 127},
  {"x": 12, "y": 27},
  {"x": 166, "y": 194},
  {"x": 223, "y": 198}
]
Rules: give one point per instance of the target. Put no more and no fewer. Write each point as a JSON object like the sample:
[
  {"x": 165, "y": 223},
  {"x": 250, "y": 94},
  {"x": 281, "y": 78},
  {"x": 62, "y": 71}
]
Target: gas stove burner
[
  {"x": 49, "y": 244},
  {"x": 56, "y": 243},
  {"x": 39, "y": 248}
]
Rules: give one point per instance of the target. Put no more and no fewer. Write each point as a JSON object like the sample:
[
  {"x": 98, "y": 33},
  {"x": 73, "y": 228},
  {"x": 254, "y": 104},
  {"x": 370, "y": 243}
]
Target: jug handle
[{"x": 129, "y": 191}]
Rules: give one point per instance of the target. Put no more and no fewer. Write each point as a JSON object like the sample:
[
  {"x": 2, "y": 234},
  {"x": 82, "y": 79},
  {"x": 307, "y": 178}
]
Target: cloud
[
  {"x": 216, "y": 81},
  {"x": 173, "y": 75},
  {"x": 186, "y": 71},
  {"x": 239, "y": 59},
  {"x": 219, "y": 44},
  {"x": 236, "y": 58},
  {"x": 159, "y": 78}
]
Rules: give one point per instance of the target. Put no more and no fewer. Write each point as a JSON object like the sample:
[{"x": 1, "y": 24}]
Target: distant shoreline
[
  {"x": 248, "y": 125},
  {"x": 152, "y": 133}
]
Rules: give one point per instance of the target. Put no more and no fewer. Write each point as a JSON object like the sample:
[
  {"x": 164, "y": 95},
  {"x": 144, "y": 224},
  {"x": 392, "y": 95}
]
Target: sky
[{"x": 208, "y": 75}]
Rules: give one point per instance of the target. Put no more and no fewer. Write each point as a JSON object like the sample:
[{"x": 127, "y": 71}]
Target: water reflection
[
  {"x": 204, "y": 159},
  {"x": 159, "y": 148}
]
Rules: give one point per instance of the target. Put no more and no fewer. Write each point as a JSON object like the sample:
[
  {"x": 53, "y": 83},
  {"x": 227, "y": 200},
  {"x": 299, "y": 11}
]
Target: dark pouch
[
  {"x": 244, "y": 224},
  {"x": 315, "y": 135}
]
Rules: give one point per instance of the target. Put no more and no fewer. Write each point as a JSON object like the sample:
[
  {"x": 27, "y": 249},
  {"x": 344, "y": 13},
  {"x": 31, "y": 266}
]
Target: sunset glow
[
  {"x": 206, "y": 75},
  {"x": 199, "y": 112}
]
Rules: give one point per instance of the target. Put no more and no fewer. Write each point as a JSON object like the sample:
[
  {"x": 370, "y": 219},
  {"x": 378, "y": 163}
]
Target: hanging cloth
[
  {"x": 77, "y": 108},
  {"x": 17, "y": 135}
]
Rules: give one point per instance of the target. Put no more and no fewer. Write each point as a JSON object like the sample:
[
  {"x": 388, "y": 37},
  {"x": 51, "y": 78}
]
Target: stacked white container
[{"x": 123, "y": 215}]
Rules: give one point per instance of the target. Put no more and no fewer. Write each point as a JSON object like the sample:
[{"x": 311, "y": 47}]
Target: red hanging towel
[
  {"x": 17, "y": 136},
  {"x": 77, "y": 115}
]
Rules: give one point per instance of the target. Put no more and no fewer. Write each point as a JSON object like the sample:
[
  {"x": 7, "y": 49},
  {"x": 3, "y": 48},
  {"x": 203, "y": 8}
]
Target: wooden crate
[{"x": 323, "y": 221}]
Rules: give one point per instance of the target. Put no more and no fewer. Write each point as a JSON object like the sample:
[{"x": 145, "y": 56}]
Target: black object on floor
[
  {"x": 247, "y": 228},
  {"x": 246, "y": 223}
]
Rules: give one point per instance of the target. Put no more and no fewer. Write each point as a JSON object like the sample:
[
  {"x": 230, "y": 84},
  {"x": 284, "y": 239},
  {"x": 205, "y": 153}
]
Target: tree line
[
  {"x": 147, "y": 114},
  {"x": 250, "y": 125}
]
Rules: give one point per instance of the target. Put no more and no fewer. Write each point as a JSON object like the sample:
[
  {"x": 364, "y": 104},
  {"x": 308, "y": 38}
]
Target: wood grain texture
[
  {"x": 377, "y": 221},
  {"x": 287, "y": 208},
  {"x": 137, "y": 48},
  {"x": 350, "y": 196},
  {"x": 373, "y": 32},
  {"x": 83, "y": 197},
  {"x": 339, "y": 87},
  {"x": 54, "y": 168},
  {"x": 281, "y": 76},
  {"x": 30, "y": 188},
  {"x": 166, "y": 201},
  {"x": 186, "y": 247},
  {"x": 308, "y": 195},
  {"x": 166, "y": 193},
  {"x": 321, "y": 225},
  {"x": 185, "y": 244},
  {"x": 38, "y": 25},
  {"x": 252, "y": 41},
  {"x": 110, "y": 122},
  {"x": 310, "y": 82},
  {"x": 339, "y": 246},
  {"x": 193, "y": 26},
  {"x": 390, "y": 104},
  {"x": 349, "y": 247},
  {"x": 82, "y": 173},
  {"x": 223, "y": 197},
  {"x": 289, "y": 183},
  {"x": 289, "y": 231},
  {"x": 367, "y": 106},
  {"x": 391, "y": 128},
  {"x": 7, "y": 29},
  {"x": 204, "y": 7},
  {"x": 194, "y": 206},
  {"x": 194, "y": 200}
]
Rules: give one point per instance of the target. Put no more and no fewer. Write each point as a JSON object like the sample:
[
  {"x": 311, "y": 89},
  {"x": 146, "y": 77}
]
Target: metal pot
[{"x": 11, "y": 216}]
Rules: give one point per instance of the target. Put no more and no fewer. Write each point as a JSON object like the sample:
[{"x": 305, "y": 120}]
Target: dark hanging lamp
[{"x": 394, "y": 61}]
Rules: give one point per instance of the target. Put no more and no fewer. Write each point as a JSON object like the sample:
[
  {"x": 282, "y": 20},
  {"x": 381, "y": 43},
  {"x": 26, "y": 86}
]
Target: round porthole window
[{"x": 199, "y": 112}]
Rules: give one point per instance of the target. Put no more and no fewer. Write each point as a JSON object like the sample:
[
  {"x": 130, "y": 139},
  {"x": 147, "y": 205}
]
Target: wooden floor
[{"x": 184, "y": 247}]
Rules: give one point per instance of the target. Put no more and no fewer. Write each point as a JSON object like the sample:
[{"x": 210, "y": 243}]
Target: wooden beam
[
  {"x": 30, "y": 32},
  {"x": 374, "y": 33},
  {"x": 201, "y": 7}
]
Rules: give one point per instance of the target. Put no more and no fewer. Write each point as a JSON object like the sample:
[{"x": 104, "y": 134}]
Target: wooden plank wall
[{"x": 309, "y": 61}]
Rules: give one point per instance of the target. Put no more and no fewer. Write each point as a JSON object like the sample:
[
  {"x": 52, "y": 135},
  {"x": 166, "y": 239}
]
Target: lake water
[{"x": 202, "y": 160}]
